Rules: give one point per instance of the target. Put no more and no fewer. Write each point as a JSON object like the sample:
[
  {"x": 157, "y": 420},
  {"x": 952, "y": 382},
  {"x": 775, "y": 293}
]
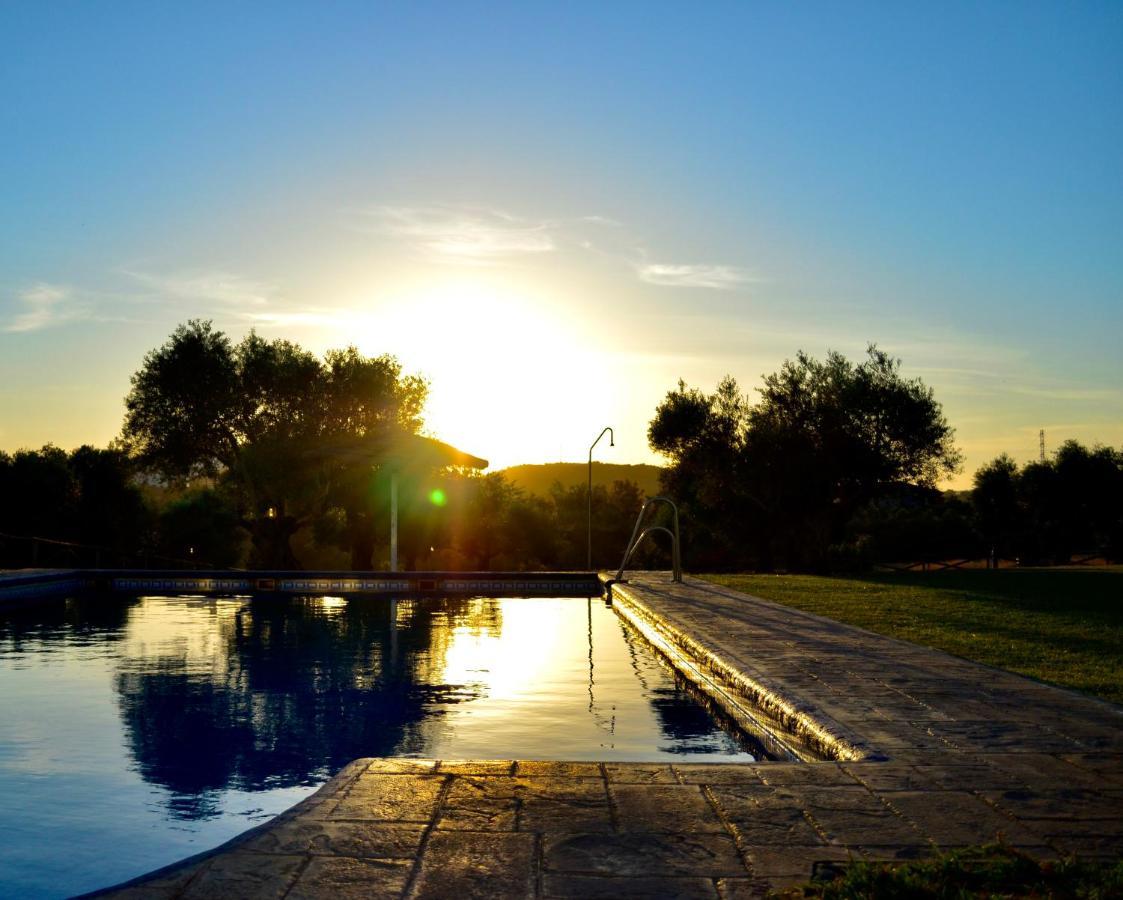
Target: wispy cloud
[
  {"x": 44, "y": 305},
  {"x": 1008, "y": 381},
  {"x": 307, "y": 316},
  {"x": 1073, "y": 394},
  {"x": 716, "y": 277},
  {"x": 474, "y": 237},
  {"x": 213, "y": 286},
  {"x": 602, "y": 220},
  {"x": 485, "y": 237}
]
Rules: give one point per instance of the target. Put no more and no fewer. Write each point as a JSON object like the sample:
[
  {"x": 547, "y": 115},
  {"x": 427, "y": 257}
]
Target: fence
[
  {"x": 985, "y": 562},
  {"x": 29, "y": 552}
]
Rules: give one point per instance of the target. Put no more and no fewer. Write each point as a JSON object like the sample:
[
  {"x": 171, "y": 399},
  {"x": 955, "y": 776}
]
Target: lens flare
[{"x": 437, "y": 497}]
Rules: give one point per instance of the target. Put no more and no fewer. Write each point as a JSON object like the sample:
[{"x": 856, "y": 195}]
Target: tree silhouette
[
  {"x": 88, "y": 497},
  {"x": 288, "y": 696},
  {"x": 778, "y": 480},
  {"x": 257, "y": 415},
  {"x": 1051, "y": 509}
]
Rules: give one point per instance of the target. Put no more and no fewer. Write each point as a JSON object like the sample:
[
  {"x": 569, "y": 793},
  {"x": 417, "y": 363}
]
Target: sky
[{"x": 556, "y": 211}]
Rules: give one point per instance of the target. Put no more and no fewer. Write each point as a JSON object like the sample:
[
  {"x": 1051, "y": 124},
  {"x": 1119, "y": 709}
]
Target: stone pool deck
[{"x": 930, "y": 751}]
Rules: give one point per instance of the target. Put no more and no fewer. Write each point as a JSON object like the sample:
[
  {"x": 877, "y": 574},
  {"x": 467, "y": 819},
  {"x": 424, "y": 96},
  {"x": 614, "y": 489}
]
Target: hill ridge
[{"x": 537, "y": 478}]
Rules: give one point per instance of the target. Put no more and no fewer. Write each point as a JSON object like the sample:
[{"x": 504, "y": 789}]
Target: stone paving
[{"x": 932, "y": 752}]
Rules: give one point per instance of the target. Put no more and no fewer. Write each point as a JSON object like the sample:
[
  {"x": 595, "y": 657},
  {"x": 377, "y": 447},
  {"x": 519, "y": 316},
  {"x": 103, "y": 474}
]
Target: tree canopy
[
  {"x": 256, "y": 415},
  {"x": 1048, "y": 510},
  {"x": 775, "y": 481}
]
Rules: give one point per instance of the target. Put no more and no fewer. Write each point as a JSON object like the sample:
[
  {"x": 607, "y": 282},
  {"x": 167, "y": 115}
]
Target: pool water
[{"x": 136, "y": 731}]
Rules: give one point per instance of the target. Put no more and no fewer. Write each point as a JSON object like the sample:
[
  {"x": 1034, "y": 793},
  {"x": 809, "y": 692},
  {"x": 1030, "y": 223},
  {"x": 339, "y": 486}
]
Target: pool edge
[{"x": 753, "y": 704}]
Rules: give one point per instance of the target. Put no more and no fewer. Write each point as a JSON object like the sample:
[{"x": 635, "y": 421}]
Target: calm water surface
[{"x": 137, "y": 731}]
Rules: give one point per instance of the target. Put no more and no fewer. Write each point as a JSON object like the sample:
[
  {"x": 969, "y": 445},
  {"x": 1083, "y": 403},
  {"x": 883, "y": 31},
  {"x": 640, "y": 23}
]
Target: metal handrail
[{"x": 637, "y": 536}]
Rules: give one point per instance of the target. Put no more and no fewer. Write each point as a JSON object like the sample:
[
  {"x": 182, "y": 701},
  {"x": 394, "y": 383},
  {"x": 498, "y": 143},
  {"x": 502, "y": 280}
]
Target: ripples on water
[{"x": 136, "y": 731}]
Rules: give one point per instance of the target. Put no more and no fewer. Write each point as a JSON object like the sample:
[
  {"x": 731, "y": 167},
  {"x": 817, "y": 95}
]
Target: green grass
[
  {"x": 1061, "y": 626},
  {"x": 991, "y": 871}
]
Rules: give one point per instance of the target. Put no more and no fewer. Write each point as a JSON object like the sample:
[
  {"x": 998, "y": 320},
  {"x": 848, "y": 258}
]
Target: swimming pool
[{"x": 135, "y": 731}]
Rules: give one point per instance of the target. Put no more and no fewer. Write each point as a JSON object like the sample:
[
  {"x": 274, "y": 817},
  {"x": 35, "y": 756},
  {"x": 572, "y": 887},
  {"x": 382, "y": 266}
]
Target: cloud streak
[
  {"x": 714, "y": 277},
  {"x": 45, "y": 306},
  {"x": 486, "y": 237},
  {"x": 314, "y": 316},
  {"x": 467, "y": 237},
  {"x": 216, "y": 287}
]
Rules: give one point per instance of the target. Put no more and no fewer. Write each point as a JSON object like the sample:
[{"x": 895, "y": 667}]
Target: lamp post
[
  {"x": 589, "y": 491},
  {"x": 394, "y": 520}
]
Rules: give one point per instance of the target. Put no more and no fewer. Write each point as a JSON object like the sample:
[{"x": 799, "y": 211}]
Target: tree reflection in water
[
  {"x": 292, "y": 690},
  {"x": 238, "y": 695},
  {"x": 688, "y": 726},
  {"x": 38, "y": 625},
  {"x": 135, "y": 731}
]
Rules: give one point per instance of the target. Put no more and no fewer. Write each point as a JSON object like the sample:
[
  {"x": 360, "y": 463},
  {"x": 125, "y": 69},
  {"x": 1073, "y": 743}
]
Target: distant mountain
[{"x": 537, "y": 479}]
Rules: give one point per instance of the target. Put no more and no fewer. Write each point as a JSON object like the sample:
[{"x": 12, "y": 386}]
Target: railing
[
  {"x": 638, "y": 536},
  {"x": 21, "y": 551},
  {"x": 993, "y": 561}
]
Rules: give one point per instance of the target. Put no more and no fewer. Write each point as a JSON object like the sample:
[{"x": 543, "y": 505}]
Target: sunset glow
[
  {"x": 554, "y": 240},
  {"x": 504, "y": 368}
]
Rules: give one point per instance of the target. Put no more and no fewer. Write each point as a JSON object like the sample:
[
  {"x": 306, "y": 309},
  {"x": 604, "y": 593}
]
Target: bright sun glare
[{"x": 507, "y": 373}]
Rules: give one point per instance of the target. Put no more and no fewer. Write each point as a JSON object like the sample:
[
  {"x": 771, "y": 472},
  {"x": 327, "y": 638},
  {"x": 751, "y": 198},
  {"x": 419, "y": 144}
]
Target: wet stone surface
[{"x": 943, "y": 753}]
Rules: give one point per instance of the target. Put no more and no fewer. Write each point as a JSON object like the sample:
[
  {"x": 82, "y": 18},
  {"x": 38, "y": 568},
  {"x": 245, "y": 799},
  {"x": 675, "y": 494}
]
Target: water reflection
[
  {"x": 37, "y": 627},
  {"x": 691, "y": 727},
  {"x": 136, "y": 731},
  {"x": 283, "y": 692},
  {"x": 219, "y": 695}
]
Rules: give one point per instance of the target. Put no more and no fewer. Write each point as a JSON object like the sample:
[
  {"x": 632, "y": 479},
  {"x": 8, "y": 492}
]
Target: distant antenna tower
[{"x": 1041, "y": 444}]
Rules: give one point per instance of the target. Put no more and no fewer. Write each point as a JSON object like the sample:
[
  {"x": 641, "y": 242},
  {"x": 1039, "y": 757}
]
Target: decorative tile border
[
  {"x": 498, "y": 584},
  {"x": 189, "y": 585},
  {"x": 484, "y": 586},
  {"x": 338, "y": 586},
  {"x": 314, "y": 585}
]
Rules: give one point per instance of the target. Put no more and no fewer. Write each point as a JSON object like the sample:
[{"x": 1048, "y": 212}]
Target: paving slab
[{"x": 909, "y": 751}]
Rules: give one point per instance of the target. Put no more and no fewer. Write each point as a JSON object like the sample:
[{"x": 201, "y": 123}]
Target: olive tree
[
  {"x": 776, "y": 480},
  {"x": 257, "y": 416}
]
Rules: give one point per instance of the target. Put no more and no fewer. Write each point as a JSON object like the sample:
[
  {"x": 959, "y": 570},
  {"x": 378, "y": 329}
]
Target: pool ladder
[{"x": 638, "y": 536}]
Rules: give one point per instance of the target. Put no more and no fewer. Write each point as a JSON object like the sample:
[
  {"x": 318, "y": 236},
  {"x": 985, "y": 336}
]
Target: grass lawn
[
  {"x": 1063, "y": 626},
  {"x": 991, "y": 871}
]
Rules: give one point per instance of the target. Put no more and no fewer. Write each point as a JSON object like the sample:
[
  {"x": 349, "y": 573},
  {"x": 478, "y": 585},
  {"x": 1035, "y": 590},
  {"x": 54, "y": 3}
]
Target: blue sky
[{"x": 557, "y": 210}]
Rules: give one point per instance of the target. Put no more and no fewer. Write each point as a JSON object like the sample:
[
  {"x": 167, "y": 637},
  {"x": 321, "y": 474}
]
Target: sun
[{"x": 509, "y": 372}]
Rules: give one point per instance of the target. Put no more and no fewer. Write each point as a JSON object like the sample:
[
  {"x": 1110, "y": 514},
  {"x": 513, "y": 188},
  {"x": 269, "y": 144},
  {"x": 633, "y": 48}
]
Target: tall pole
[
  {"x": 589, "y": 492},
  {"x": 393, "y": 521}
]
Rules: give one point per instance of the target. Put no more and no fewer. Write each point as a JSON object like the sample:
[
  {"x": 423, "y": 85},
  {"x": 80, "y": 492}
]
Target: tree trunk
[
  {"x": 270, "y": 543},
  {"x": 361, "y": 527}
]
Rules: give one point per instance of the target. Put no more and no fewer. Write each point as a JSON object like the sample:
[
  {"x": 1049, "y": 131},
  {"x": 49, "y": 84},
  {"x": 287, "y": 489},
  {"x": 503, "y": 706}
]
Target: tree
[
  {"x": 995, "y": 498},
  {"x": 365, "y": 399},
  {"x": 1053, "y": 508},
  {"x": 265, "y": 417},
  {"x": 202, "y": 524},
  {"x": 110, "y": 509},
  {"x": 777, "y": 481},
  {"x": 908, "y": 524},
  {"x": 181, "y": 417},
  {"x": 867, "y": 423},
  {"x": 40, "y": 494},
  {"x": 1090, "y": 502},
  {"x": 614, "y": 513},
  {"x": 488, "y": 519},
  {"x": 88, "y": 497},
  {"x": 705, "y": 437}
]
